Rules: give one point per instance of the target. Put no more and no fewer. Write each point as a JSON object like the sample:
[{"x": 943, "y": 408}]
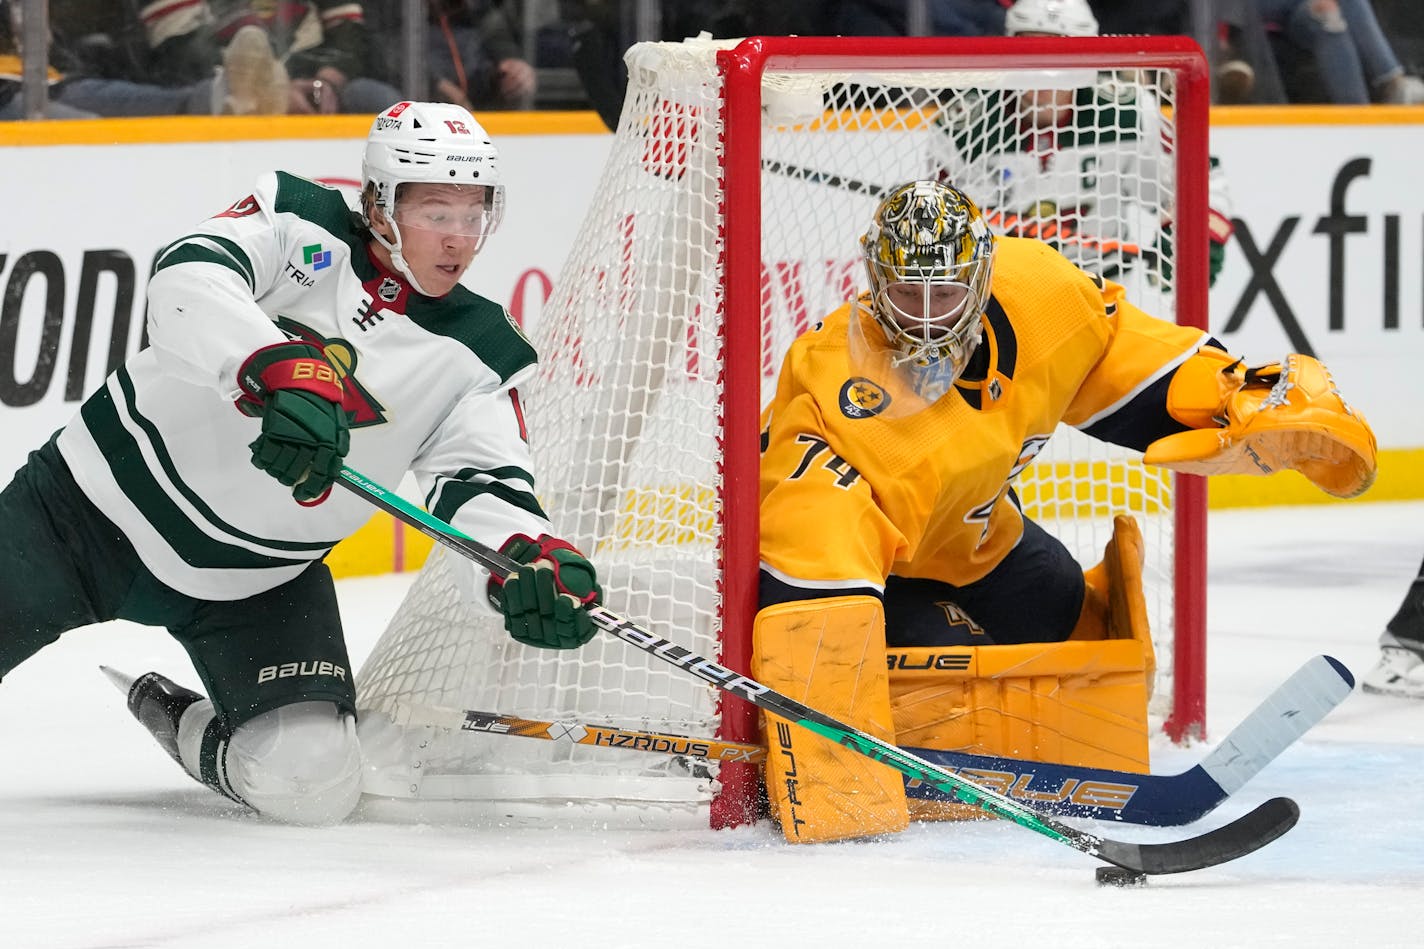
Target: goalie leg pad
[
  {"x": 830, "y": 655},
  {"x": 1083, "y": 702},
  {"x": 1263, "y": 420}
]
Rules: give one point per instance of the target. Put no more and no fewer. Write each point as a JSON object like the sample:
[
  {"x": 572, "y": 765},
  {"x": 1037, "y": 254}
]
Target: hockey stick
[
  {"x": 580, "y": 733},
  {"x": 1244, "y": 835},
  {"x": 1160, "y": 800},
  {"x": 1289, "y": 712},
  {"x": 1012, "y": 224}
]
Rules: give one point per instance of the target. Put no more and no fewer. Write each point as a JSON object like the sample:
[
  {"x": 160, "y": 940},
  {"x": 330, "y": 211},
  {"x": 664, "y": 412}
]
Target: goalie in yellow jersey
[{"x": 890, "y": 447}]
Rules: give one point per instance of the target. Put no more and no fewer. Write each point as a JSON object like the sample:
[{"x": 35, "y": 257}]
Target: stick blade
[{"x": 1246, "y": 834}]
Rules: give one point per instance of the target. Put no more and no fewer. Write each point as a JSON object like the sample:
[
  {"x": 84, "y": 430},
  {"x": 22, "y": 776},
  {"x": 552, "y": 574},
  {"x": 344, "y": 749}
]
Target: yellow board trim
[
  {"x": 1401, "y": 478},
  {"x": 247, "y": 128},
  {"x": 1238, "y": 115}
]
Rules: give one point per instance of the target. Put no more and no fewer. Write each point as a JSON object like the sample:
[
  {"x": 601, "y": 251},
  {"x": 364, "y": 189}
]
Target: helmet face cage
[
  {"x": 928, "y": 235},
  {"x": 435, "y": 143}
]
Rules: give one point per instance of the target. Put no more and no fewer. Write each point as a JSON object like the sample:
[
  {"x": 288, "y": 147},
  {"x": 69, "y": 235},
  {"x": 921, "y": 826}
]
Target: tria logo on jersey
[{"x": 316, "y": 256}]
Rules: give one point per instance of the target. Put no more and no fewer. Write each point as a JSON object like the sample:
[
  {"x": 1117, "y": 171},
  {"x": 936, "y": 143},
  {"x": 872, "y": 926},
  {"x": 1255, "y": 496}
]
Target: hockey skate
[
  {"x": 1400, "y": 670},
  {"x": 158, "y": 703}
]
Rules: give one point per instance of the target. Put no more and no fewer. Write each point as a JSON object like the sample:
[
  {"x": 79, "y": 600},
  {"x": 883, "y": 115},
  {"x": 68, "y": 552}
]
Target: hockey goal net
[{"x": 727, "y": 222}]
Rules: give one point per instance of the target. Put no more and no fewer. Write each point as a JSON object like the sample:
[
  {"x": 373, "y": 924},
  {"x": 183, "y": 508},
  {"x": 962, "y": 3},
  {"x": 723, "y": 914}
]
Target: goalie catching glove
[
  {"x": 305, "y": 431},
  {"x": 1259, "y": 421},
  {"x": 543, "y": 599}
]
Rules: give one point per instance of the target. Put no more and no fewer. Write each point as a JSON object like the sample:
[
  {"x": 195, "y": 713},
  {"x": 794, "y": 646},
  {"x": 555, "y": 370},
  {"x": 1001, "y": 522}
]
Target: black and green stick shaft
[{"x": 1244, "y": 835}]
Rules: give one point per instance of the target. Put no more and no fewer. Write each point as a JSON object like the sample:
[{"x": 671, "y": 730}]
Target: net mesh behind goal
[{"x": 726, "y": 223}]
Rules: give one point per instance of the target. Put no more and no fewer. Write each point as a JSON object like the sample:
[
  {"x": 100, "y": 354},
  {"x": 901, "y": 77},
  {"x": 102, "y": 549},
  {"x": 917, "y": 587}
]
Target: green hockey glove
[
  {"x": 543, "y": 600},
  {"x": 305, "y": 431}
]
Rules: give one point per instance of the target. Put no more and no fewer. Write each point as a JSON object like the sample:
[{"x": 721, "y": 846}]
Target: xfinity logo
[{"x": 1352, "y": 240}]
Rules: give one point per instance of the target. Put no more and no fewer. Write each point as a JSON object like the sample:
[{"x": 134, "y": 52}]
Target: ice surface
[{"x": 104, "y": 843}]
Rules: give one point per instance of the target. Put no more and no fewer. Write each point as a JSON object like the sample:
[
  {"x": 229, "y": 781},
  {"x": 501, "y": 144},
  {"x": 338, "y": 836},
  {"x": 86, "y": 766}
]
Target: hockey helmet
[
  {"x": 435, "y": 143},
  {"x": 929, "y": 254}
]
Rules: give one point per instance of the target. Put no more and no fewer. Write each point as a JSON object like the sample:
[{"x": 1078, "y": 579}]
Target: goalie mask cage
[{"x": 727, "y": 221}]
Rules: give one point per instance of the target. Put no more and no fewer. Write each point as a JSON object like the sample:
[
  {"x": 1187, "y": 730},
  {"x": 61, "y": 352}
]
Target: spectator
[
  {"x": 472, "y": 53},
  {"x": 946, "y": 17},
  {"x": 1356, "y": 63},
  {"x": 12, "y": 71},
  {"x": 734, "y": 18},
  {"x": 1151, "y": 17},
  {"x": 475, "y": 58},
  {"x": 324, "y": 45},
  {"x": 102, "y": 65}
]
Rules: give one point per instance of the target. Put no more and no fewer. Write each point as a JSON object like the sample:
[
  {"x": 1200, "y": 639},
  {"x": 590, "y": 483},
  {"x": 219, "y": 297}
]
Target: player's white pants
[{"x": 299, "y": 764}]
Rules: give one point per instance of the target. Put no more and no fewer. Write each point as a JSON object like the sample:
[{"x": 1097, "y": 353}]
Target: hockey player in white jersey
[
  {"x": 1080, "y": 160},
  {"x": 193, "y": 491}
]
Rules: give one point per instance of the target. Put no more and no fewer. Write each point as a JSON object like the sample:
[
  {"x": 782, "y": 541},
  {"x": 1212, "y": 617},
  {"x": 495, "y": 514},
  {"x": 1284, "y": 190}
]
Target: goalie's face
[
  {"x": 925, "y": 310},
  {"x": 929, "y": 255}
]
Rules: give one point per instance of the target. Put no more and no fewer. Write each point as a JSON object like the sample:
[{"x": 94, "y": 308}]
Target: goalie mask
[
  {"x": 929, "y": 254},
  {"x": 434, "y": 143}
]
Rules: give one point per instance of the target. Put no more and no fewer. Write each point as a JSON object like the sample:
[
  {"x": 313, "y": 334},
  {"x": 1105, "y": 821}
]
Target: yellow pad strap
[
  {"x": 1272, "y": 418},
  {"x": 1202, "y": 385},
  {"x": 1114, "y": 605},
  {"x": 830, "y": 655},
  {"x": 1127, "y": 603}
]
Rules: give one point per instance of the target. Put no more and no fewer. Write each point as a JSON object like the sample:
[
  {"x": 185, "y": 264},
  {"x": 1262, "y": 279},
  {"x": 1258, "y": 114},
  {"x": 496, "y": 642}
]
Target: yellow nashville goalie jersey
[{"x": 853, "y": 490}]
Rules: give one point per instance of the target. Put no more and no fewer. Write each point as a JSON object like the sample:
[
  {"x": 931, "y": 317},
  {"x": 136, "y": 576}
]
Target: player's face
[
  {"x": 441, "y": 227},
  {"x": 1046, "y": 108},
  {"x": 926, "y": 310}
]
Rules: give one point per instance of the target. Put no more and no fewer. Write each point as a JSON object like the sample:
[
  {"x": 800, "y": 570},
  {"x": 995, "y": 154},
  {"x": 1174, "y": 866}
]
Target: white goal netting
[{"x": 643, "y": 410}]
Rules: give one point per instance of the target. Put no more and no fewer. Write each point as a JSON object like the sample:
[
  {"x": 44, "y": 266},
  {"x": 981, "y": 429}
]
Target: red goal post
[
  {"x": 744, "y": 67},
  {"x": 726, "y": 222}
]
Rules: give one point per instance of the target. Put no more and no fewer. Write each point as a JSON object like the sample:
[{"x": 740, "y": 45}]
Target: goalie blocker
[{"x": 1081, "y": 702}]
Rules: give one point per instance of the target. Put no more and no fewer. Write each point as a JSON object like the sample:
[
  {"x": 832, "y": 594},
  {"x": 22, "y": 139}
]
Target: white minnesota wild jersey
[
  {"x": 429, "y": 387},
  {"x": 1101, "y": 175}
]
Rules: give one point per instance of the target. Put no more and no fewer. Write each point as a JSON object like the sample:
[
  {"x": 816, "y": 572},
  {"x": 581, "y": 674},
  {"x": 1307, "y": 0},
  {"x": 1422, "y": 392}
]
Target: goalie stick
[
  {"x": 1244, "y": 835},
  {"x": 1159, "y": 800}
]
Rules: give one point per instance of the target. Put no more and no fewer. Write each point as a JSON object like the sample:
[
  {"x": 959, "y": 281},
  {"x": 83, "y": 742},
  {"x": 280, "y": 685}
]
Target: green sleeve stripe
[
  {"x": 480, "y": 325},
  {"x": 207, "y": 248},
  {"x": 126, "y": 462},
  {"x": 454, "y": 494},
  {"x": 160, "y": 449},
  {"x": 502, "y": 473}
]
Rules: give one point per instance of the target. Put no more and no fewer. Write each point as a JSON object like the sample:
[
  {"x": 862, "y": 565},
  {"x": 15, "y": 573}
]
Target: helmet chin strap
[{"x": 397, "y": 258}]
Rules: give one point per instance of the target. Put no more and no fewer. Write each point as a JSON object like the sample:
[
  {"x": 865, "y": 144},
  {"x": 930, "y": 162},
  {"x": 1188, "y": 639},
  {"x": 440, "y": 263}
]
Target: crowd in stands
[{"x": 267, "y": 57}]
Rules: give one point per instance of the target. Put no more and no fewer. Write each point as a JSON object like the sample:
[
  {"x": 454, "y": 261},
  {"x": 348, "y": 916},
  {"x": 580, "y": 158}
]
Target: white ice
[{"x": 104, "y": 843}]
